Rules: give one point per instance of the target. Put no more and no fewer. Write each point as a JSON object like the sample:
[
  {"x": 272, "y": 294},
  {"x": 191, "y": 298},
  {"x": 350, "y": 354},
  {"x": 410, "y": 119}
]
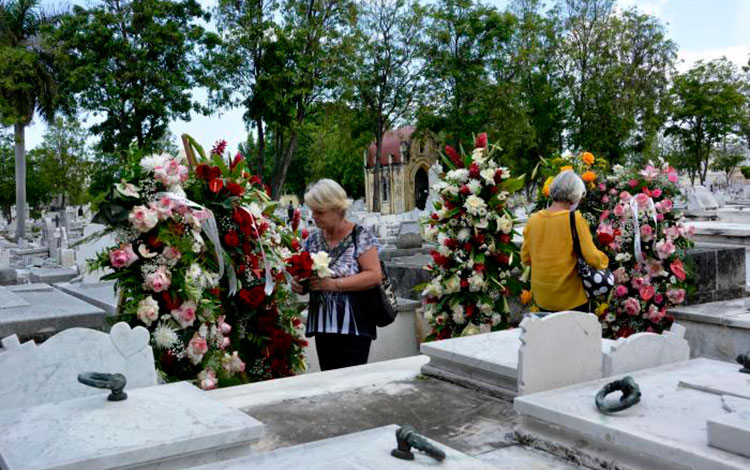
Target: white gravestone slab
[
  {"x": 34, "y": 374},
  {"x": 560, "y": 349},
  {"x": 365, "y": 450},
  {"x": 165, "y": 427},
  {"x": 665, "y": 430},
  {"x": 646, "y": 350},
  {"x": 10, "y": 300},
  {"x": 4, "y": 259},
  {"x": 90, "y": 249},
  {"x": 730, "y": 432}
]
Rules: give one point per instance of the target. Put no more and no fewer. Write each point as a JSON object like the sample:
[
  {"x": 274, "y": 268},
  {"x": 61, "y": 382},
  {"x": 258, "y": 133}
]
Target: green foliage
[
  {"x": 133, "y": 63},
  {"x": 745, "y": 171},
  {"x": 708, "y": 106}
]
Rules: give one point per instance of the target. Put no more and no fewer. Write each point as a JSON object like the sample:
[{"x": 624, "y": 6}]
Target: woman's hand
[
  {"x": 327, "y": 284},
  {"x": 297, "y": 288}
]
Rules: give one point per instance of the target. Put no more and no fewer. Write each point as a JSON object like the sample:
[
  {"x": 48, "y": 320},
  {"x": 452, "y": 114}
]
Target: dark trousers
[{"x": 336, "y": 351}]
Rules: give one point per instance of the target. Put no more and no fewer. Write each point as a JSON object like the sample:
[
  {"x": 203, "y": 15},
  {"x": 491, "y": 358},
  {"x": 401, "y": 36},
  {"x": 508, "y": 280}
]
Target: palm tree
[{"x": 27, "y": 84}]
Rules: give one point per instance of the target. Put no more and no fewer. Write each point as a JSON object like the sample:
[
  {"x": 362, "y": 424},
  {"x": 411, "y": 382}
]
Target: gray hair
[
  {"x": 327, "y": 194},
  {"x": 567, "y": 187}
]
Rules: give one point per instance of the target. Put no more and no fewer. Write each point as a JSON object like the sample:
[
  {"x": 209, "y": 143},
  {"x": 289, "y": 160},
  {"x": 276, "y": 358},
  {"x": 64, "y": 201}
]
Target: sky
[{"x": 702, "y": 29}]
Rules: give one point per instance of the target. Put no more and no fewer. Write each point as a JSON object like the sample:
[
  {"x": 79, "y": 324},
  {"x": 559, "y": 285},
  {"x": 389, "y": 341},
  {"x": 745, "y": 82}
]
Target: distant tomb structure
[{"x": 405, "y": 174}]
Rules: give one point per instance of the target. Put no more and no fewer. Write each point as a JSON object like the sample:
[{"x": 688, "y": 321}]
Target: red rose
[
  {"x": 231, "y": 238},
  {"x": 300, "y": 265},
  {"x": 605, "y": 238},
  {"x": 502, "y": 258},
  {"x": 434, "y": 216},
  {"x": 171, "y": 302},
  {"x": 451, "y": 243},
  {"x": 474, "y": 171},
  {"x": 479, "y": 267},
  {"x": 464, "y": 283},
  {"x": 470, "y": 309},
  {"x": 215, "y": 185},
  {"x": 235, "y": 189},
  {"x": 247, "y": 248},
  {"x": 479, "y": 238},
  {"x": 467, "y": 247},
  {"x": 481, "y": 140},
  {"x": 252, "y": 297},
  {"x": 504, "y": 238},
  {"x": 465, "y": 190}
]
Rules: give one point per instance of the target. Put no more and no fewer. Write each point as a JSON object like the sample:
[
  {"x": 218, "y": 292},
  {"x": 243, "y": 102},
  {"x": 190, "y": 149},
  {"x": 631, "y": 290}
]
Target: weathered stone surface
[
  {"x": 35, "y": 374},
  {"x": 560, "y": 349},
  {"x": 730, "y": 432},
  {"x": 100, "y": 294},
  {"x": 720, "y": 272},
  {"x": 48, "y": 312},
  {"x": 409, "y": 235},
  {"x": 52, "y": 275},
  {"x": 165, "y": 427},
  {"x": 646, "y": 350}
]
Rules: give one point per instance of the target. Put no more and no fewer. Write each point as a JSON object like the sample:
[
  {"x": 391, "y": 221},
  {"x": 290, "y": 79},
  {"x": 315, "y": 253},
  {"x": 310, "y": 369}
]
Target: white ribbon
[
  {"x": 637, "y": 227},
  {"x": 268, "y": 288}
]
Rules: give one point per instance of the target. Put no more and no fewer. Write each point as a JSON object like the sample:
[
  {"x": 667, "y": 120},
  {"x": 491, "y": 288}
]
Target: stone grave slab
[
  {"x": 52, "y": 275},
  {"x": 9, "y": 300},
  {"x": 646, "y": 350},
  {"x": 365, "y": 450},
  {"x": 560, "y": 349},
  {"x": 165, "y": 427},
  {"x": 100, "y": 294},
  {"x": 35, "y": 374},
  {"x": 409, "y": 235},
  {"x": 730, "y": 432},
  {"x": 666, "y": 430},
  {"x": 90, "y": 249},
  {"x": 48, "y": 312}
]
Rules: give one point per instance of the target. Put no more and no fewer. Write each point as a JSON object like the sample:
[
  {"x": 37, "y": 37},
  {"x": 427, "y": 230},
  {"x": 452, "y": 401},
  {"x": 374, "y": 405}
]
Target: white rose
[
  {"x": 488, "y": 175},
  {"x": 148, "y": 310},
  {"x": 476, "y": 282},
  {"x": 505, "y": 224},
  {"x": 458, "y": 314},
  {"x": 321, "y": 260},
  {"x": 473, "y": 204},
  {"x": 452, "y": 285}
]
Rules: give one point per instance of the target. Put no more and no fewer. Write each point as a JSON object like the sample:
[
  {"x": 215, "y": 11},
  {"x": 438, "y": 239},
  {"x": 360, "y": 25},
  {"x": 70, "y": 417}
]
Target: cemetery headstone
[
  {"x": 35, "y": 374},
  {"x": 560, "y": 349},
  {"x": 409, "y": 235},
  {"x": 86, "y": 251},
  {"x": 646, "y": 350}
]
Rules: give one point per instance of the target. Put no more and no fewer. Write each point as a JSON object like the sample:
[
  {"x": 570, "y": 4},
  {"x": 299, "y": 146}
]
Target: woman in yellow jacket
[{"x": 548, "y": 248}]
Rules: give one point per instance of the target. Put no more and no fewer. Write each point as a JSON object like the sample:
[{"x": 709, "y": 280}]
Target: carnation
[{"x": 165, "y": 336}]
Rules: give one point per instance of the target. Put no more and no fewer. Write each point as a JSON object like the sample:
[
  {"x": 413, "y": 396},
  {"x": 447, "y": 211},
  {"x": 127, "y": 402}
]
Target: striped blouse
[{"x": 334, "y": 312}]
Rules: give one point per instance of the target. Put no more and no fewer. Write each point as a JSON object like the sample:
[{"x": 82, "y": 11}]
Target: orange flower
[
  {"x": 565, "y": 168},
  {"x": 545, "y": 189},
  {"x": 525, "y": 297},
  {"x": 588, "y": 176},
  {"x": 588, "y": 158}
]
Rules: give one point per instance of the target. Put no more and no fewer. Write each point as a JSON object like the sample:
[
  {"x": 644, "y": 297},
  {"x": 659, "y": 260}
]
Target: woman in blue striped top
[{"x": 342, "y": 333}]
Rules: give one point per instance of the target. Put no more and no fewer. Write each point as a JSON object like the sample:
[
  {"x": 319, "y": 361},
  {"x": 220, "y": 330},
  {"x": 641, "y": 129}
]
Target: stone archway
[{"x": 421, "y": 188}]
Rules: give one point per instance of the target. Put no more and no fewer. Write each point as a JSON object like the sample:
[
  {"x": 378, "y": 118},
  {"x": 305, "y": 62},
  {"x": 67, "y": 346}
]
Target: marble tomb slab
[
  {"x": 666, "y": 430},
  {"x": 48, "y": 312},
  {"x": 100, "y": 294},
  {"x": 35, "y": 374},
  {"x": 365, "y": 450},
  {"x": 731, "y": 432},
  {"x": 165, "y": 427}
]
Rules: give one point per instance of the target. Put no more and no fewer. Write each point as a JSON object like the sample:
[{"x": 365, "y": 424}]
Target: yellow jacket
[{"x": 548, "y": 249}]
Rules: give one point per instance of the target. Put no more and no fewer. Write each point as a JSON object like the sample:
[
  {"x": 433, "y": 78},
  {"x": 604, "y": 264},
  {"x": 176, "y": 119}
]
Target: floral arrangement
[
  {"x": 199, "y": 262},
  {"x": 473, "y": 264},
  {"x": 632, "y": 217},
  {"x": 641, "y": 233}
]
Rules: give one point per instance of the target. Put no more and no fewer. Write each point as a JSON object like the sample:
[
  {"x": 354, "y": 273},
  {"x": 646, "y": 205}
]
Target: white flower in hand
[{"x": 320, "y": 264}]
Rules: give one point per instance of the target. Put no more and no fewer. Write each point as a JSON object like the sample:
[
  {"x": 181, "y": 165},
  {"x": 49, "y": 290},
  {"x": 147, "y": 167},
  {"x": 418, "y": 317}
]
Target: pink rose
[
  {"x": 650, "y": 172},
  {"x": 672, "y": 233},
  {"x": 687, "y": 231},
  {"x": 159, "y": 280},
  {"x": 676, "y": 296},
  {"x": 207, "y": 379},
  {"x": 621, "y": 276},
  {"x": 185, "y": 314},
  {"x": 197, "y": 347},
  {"x": 638, "y": 282},
  {"x": 621, "y": 291},
  {"x": 148, "y": 310},
  {"x": 163, "y": 208},
  {"x": 656, "y": 192},
  {"x": 613, "y": 191},
  {"x": 171, "y": 253},
  {"x": 604, "y": 215},
  {"x": 632, "y": 306},
  {"x": 123, "y": 257},
  {"x": 659, "y": 217},
  {"x": 673, "y": 177},
  {"x": 625, "y": 196},
  {"x": 233, "y": 363},
  {"x": 655, "y": 267},
  {"x": 223, "y": 326},
  {"x": 664, "y": 248},
  {"x": 642, "y": 200},
  {"x": 605, "y": 200},
  {"x": 619, "y": 210},
  {"x": 647, "y": 233},
  {"x": 654, "y": 313},
  {"x": 646, "y": 292},
  {"x": 658, "y": 298},
  {"x": 602, "y": 186},
  {"x": 633, "y": 183},
  {"x": 143, "y": 218}
]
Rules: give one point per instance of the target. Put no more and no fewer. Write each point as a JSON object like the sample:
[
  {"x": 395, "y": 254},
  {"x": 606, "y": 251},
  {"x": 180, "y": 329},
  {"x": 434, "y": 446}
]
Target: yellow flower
[
  {"x": 588, "y": 158},
  {"x": 588, "y": 176},
  {"x": 602, "y": 309},
  {"x": 565, "y": 168},
  {"x": 534, "y": 309},
  {"x": 548, "y": 182},
  {"x": 525, "y": 296}
]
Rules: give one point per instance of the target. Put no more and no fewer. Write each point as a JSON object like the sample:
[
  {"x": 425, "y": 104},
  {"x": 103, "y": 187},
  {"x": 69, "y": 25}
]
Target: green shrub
[{"x": 745, "y": 171}]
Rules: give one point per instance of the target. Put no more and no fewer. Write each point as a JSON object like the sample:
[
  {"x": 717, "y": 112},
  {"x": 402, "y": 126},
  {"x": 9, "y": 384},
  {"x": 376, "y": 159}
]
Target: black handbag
[
  {"x": 379, "y": 302},
  {"x": 596, "y": 282}
]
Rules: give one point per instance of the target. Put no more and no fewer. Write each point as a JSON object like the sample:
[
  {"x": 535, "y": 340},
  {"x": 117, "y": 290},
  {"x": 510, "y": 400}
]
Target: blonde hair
[
  {"x": 567, "y": 186},
  {"x": 327, "y": 194}
]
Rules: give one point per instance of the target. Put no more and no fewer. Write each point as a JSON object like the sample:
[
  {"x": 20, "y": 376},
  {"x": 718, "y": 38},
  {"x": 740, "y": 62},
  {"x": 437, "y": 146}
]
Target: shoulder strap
[{"x": 576, "y": 243}]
